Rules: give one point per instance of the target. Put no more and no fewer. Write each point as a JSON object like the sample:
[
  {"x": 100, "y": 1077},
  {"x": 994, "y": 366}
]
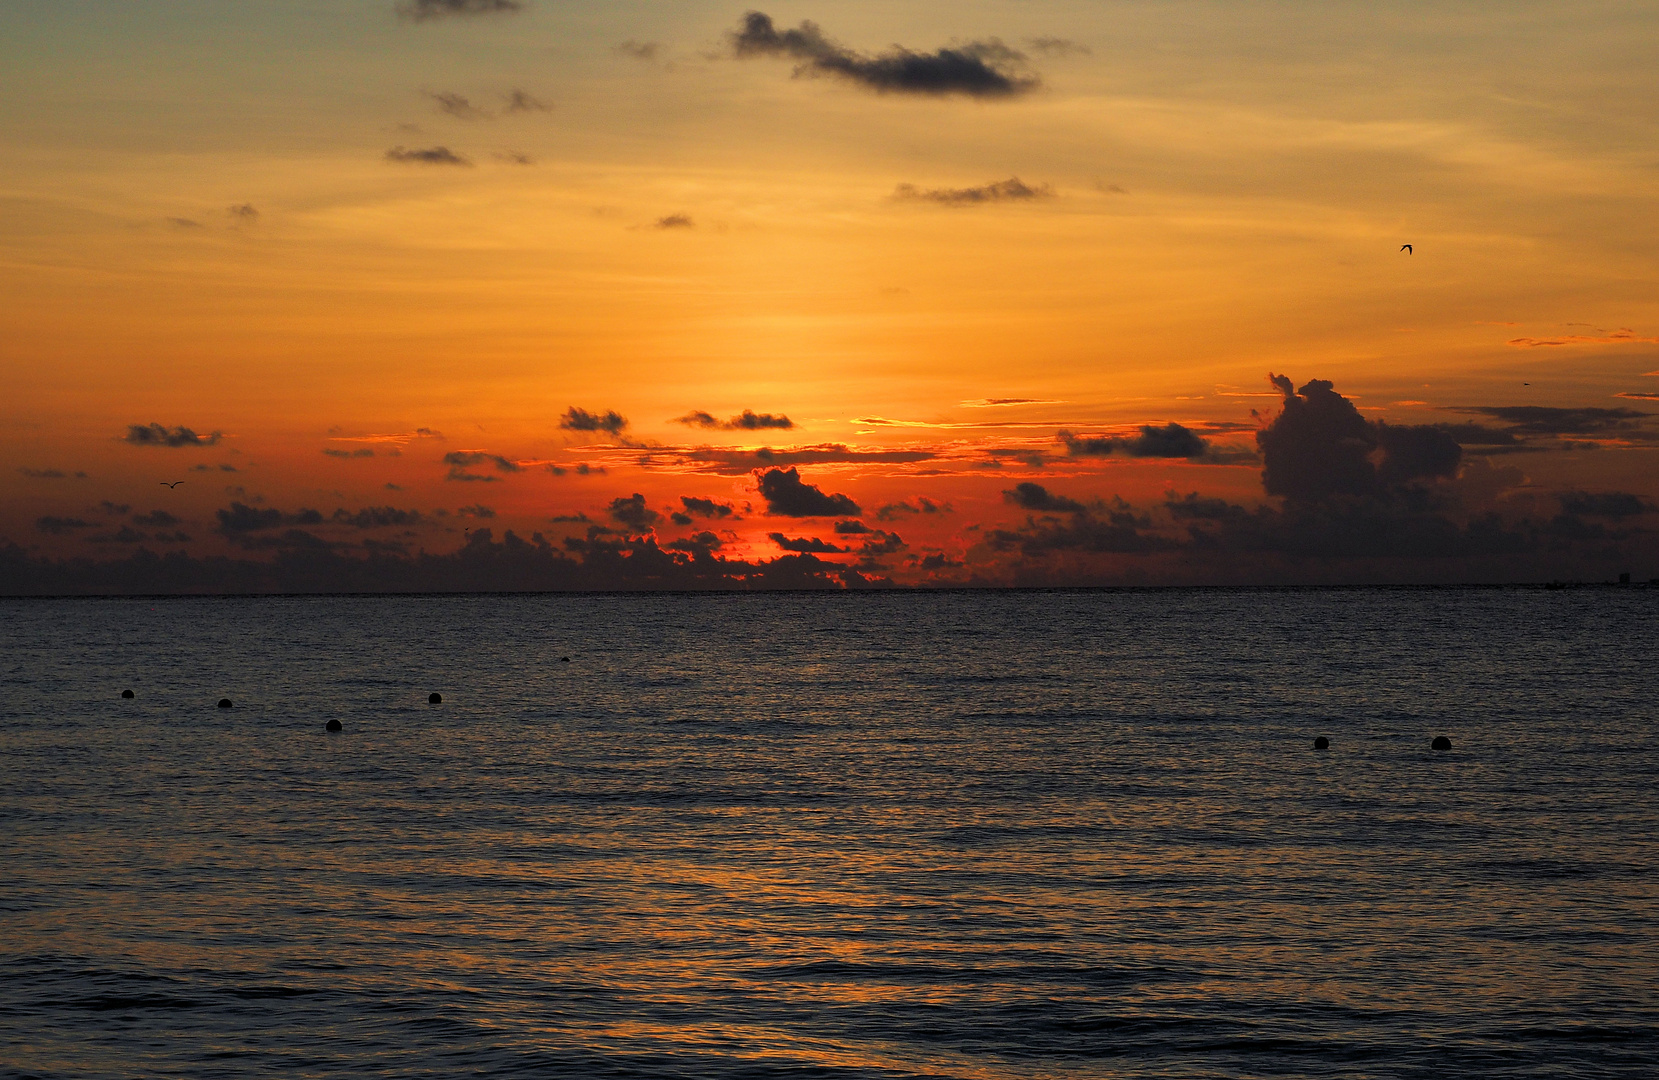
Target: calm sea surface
[{"x": 968, "y": 835}]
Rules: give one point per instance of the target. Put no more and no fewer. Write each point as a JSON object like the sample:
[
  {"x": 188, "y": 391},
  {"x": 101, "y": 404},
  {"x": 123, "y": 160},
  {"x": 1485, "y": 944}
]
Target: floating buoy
[
  {"x": 434, "y": 699},
  {"x": 224, "y": 703},
  {"x": 1441, "y": 743},
  {"x": 126, "y": 693},
  {"x": 1321, "y": 743},
  {"x": 333, "y": 725}
]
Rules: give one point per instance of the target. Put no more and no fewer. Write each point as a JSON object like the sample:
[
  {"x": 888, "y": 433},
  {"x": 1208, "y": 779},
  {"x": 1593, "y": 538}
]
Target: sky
[{"x": 435, "y": 294}]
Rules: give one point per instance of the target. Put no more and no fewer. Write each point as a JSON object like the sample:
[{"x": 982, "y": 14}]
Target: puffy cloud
[
  {"x": 159, "y": 435},
  {"x": 1172, "y": 440},
  {"x": 788, "y": 495},
  {"x": 852, "y": 527},
  {"x": 804, "y": 543},
  {"x": 1029, "y": 496},
  {"x": 674, "y": 221},
  {"x": 632, "y": 512},
  {"x": 477, "y": 510},
  {"x": 983, "y": 69},
  {"x": 1319, "y": 446},
  {"x": 706, "y": 508},
  {"x": 610, "y": 421},
  {"x": 747, "y": 420}
]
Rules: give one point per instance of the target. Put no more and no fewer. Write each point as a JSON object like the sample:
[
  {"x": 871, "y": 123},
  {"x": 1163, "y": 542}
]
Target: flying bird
[
  {"x": 171, "y": 484},
  {"x": 1406, "y": 248}
]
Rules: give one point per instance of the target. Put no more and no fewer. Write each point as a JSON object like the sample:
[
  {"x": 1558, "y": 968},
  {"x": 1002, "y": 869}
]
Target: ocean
[{"x": 969, "y": 834}]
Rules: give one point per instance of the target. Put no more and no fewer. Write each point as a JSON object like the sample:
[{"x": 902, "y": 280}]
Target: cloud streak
[
  {"x": 747, "y": 420},
  {"x": 1012, "y": 189},
  {"x": 425, "y": 10}
]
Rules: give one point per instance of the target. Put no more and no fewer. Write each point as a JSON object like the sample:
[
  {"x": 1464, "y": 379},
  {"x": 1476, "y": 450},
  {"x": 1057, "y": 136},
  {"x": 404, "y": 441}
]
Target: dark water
[{"x": 966, "y": 835}]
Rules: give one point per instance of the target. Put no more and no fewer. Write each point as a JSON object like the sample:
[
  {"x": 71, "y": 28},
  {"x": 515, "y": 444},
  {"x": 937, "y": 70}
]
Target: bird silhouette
[
  {"x": 1406, "y": 248},
  {"x": 172, "y": 484}
]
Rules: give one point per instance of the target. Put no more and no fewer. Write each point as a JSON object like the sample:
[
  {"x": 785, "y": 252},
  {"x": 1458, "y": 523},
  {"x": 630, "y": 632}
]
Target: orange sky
[{"x": 318, "y": 229}]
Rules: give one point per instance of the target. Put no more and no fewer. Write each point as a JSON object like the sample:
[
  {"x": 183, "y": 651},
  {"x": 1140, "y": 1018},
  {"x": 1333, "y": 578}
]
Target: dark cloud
[
  {"x": 185, "y": 223},
  {"x": 1612, "y": 504},
  {"x": 360, "y": 452},
  {"x": 706, "y": 508},
  {"x": 633, "y": 513},
  {"x": 457, "y": 106},
  {"x": 747, "y": 420},
  {"x": 58, "y": 526},
  {"x": 377, "y": 517},
  {"x": 1527, "y": 420},
  {"x": 422, "y": 10},
  {"x": 787, "y": 495},
  {"x": 239, "y": 519},
  {"x": 852, "y": 527},
  {"x": 675, "y": 221},
  {"x": 894, "y": 511},
  {"x": 243, "y": 212},
  {"x": 1058, "y": 46},
  {"x": 156, "y": 519},
  {"x": 983, "y": 69},
  {"x": 477, "y": 510},
  {"x": 1319, "y": 446},
  {"x": 1029, "y": 496},
  {"x": 221, "y": 467},
  {"x": 113, "y": 507},
  {"x": 50, "y": 474},
  {"x": 466, "y": 459},
  {"x": 1009, "y": 190},
  {"x": 126, "y": 534},
  {"x": 1172, "y": 440},
  {"x": 882, "y": 543},
  {"x": 804, "y": 543},
  {"x": 158, "y": 435},
  {"x": 700, "y": 545},
  {"x": 610, "y": 421},
  {"x": 519, "y": 101},
  {"x": 737, "y": 462},
  {"x": 1120, "y": 531},
  {"x": 432, "y": 155},
  {"x": 938, "y": 562},
  {"x": 638, "y": 50}
]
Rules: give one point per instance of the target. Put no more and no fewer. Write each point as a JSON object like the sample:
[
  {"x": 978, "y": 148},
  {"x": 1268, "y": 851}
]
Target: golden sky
[{"x": 358, "y": 261}]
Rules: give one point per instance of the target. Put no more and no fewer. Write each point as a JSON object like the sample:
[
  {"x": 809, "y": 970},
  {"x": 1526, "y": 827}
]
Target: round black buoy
[
  {"x": 224, "y": 703},
  {"x": 333, "y": 725},
  {"x": 1321, "y": 743},
  {"x": 434, "y": 699},
  {"x": 126, "y": 693},
  {"x": 1441, "y": 743},
  {"x": 564, "y": 659}
]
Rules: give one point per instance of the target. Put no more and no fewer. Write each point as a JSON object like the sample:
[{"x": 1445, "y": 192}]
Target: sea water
[{"x": 977, "y": 834}]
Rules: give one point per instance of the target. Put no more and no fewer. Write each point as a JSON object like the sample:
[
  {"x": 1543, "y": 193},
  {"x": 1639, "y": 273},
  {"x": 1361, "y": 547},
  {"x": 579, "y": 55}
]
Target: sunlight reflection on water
[{"x": 976, "y": 835}]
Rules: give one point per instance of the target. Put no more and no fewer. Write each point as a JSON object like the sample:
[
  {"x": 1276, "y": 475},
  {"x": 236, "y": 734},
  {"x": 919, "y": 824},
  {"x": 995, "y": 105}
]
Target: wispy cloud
[
  {"x": 1012, "y": 189},
  {"x": 432, "y": 155},
  {"x": 1617, "y": 337},
  {"x": 423, "y": 10}
]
